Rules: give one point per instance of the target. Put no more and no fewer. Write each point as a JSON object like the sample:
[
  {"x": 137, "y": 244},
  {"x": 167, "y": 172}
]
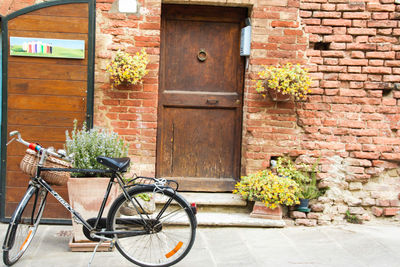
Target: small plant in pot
[
  {"x": 269, "y": 191},
  {"x": 284, "y": 82},
  {"x": 86, "y": 191},
  {"x": 304, "y": 176}
]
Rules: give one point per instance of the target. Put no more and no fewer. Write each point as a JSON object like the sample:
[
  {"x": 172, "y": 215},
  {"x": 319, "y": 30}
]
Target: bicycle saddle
[{"x": 115, "y": 164}]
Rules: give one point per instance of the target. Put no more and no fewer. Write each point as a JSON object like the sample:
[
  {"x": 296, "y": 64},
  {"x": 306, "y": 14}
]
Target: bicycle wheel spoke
[
  {"x": 168, "y": 239},
  {"x": 23, "y": 230}
]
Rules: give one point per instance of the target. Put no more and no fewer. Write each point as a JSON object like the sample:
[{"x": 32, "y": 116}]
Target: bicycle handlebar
[{"x": 36, "y": 147}]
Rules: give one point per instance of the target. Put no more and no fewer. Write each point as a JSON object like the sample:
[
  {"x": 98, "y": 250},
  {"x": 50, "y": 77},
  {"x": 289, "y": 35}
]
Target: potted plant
[
  {"x": 86, "y": 191},
  {"x": 269, "y": 191},
  {"x": 304, "y": 176},
  {"x": 284, "y": 82},
  {"x": 126, "y": 69}
]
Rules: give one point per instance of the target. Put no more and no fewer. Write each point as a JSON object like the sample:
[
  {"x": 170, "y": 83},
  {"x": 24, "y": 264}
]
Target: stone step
[
  {"x": 217, "y": 202},
  {"x": 215, "y": 199},
  {"x": 226, "y": 209},
  {"x": 235, "y": 220}
]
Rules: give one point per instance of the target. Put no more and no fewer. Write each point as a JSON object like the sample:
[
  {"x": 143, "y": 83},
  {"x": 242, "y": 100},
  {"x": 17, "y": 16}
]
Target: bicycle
[{"x": 158, "y": 234}]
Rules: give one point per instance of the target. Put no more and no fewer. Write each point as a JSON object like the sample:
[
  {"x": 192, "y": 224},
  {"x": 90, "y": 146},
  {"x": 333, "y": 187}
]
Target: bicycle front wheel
[
  {"x": 157, "y": 229},
  {"x": 24, "y": 224}
]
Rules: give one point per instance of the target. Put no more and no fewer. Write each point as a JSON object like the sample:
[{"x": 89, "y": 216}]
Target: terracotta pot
[
  {"x": 278, "y": 96},
  {"x": 261, "y": 211},
  {"x": 86, "y": 196},
  {"x": 127, "y": 86}
]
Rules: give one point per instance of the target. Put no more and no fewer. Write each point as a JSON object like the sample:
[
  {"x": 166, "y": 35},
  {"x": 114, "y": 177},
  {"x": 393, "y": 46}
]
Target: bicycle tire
[
  {"x": 24, "y": 224},
  {"x": 171, "y": 237}
]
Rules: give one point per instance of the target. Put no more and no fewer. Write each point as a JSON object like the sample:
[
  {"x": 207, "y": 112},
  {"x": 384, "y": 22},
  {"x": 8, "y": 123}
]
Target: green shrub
[
  {"x": 304, "y": 176},
  {"x": 86, "y": 145}
]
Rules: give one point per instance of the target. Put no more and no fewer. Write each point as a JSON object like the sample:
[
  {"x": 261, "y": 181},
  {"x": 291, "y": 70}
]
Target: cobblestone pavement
[{"x": 346, "y": 245}]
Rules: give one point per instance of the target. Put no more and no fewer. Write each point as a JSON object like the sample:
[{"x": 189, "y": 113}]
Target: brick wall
[
  {"x": 351, "y": 119},
  {"x": 132, "y": 113}
]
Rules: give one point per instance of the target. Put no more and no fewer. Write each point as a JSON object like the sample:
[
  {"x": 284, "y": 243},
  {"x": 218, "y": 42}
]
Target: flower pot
[
  {"x": 86, "y": 196},
  {"x": 127, "y": 86},
  {"x": 303, "y": 205},
  {"x": 261, "y": 211},
  {"x": 278, "y": 96}
]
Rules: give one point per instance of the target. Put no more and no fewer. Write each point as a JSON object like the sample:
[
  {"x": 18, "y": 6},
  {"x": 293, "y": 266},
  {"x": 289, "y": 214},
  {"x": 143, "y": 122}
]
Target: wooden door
[
  {"x": 200, "y": 97},
  {"x": 44, "y": 95}
]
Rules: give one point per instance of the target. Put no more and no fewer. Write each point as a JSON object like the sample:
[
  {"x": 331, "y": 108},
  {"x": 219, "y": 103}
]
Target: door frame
[
  {"x": 4, "y": 104},
  {"x": 239, "y": 126}
]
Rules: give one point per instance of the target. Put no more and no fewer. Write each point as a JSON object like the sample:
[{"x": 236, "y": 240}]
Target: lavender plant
[{"x": 86, "y": 145}]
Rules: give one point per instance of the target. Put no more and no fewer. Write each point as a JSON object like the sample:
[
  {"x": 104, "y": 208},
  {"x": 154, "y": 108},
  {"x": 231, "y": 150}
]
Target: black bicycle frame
[{"x": 114, "y": 174}]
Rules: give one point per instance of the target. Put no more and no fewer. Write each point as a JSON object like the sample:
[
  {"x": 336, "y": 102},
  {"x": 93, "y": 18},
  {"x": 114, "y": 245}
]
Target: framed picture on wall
[{"x": 42, "y": 47}]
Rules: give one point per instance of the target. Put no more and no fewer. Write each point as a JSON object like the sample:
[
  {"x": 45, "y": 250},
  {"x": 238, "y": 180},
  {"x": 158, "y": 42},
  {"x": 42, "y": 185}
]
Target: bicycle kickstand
[{"x": 102, "y": 239}]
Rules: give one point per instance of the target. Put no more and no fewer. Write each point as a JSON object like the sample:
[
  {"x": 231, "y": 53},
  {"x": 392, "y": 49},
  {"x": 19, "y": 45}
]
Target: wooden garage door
[
  {"x": 45, "y": 95},
  {"x": 200, "y": 99}
]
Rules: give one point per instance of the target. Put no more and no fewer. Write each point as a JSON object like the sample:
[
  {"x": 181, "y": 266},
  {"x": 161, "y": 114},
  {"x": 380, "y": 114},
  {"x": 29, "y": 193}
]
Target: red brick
[
  {"x": 379, "y": 7},
  {"x": 310, "y": 6},
  {"x": 336, "y": 22},
  {"x": 338, "y": 38},
  {"x": 377, "y": 211},
  {"x": 266, "y": 15},
  {"x": 353, "y": 62},
  {"x": 390, "y": 211},
  {"x": 150, "y": 26},
  {"x": 352, "y": 77},
  {"x": 319, "y": 29},
  {"x": 322, "y": 14},
  {"x": 380, "y": 16},
  {"x": 356, "y": 6},
  {"x": 382, "y": 24},
  {"x": 366, "y": 155},
  {"x": 378, "y": 70},
  {"x": 383, "y": 55},
  {"x": 285, "y": 24},
  {"x": 361, "y": 31},
  {"x": 358, "y": 46},
  {"x": 356, "y": 15},
  {"x": 391, "y": 156},
  {"x": 332, "y": 53}
]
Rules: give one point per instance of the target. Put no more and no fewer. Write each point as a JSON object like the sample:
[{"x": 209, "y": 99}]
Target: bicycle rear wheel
[
  {"x": 24, "y": 224},
  {"x": 165, "y": 228}
]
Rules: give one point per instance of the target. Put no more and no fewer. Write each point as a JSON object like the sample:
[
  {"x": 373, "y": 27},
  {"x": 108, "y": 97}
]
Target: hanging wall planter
[
  {"x": 278, "y": 96},
  {"x": 128, "y": 70},
  {"x": 284, "y": 82}
]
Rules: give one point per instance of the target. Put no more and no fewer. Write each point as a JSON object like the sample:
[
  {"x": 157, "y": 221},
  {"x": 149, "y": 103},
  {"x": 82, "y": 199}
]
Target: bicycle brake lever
[{"x": 9, "y": 142}]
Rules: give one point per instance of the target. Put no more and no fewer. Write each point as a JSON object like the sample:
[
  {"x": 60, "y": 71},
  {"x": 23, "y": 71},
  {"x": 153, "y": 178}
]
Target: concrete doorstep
[{"x": 226, "y": 209}]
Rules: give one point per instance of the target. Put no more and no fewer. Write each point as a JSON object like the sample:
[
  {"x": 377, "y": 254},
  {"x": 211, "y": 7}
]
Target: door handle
[{"x": 212, "y": 101}]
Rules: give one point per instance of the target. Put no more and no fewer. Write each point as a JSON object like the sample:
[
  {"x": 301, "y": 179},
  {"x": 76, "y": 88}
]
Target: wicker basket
[{"x": 29, "y": 164}]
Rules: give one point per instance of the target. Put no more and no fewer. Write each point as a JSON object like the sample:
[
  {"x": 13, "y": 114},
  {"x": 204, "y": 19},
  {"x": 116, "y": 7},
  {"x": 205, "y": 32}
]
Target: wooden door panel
[
  {"x": 210, "y": 134},
  {"x": 45, "y": 95},
  {"x": 187, "y": 73},
  {"x": 200, "y": 101}
]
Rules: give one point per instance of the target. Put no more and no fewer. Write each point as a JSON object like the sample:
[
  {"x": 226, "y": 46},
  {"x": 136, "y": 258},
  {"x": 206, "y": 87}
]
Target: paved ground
[{"x": 348, "y": 245}]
